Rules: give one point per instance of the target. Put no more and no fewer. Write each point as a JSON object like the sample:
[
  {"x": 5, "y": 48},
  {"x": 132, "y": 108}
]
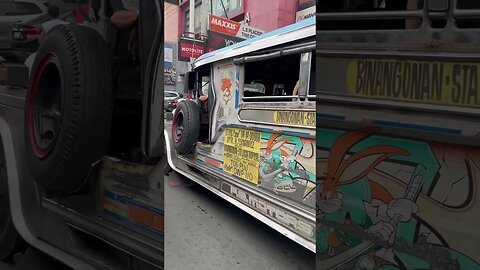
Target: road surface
[{"x": 205, "y": 232}]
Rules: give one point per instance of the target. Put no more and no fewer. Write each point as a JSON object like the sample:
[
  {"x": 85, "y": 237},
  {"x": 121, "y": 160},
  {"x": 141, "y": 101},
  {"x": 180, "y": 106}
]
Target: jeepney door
[
  {"x": 151, "y": 52},
  {"x": 225, "y": 93}
]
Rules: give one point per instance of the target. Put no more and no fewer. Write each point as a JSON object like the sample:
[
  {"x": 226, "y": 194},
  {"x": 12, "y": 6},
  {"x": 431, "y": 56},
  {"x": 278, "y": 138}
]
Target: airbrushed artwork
[
  {"x": 393, "y": 203},
  {"x": 288, "y": 162}
]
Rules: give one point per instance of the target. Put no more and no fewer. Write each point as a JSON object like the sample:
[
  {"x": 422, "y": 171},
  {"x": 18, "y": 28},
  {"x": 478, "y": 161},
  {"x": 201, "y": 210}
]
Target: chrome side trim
[
  {"x": 273, "y": 109},
  {"x": 16, "y": 206}
]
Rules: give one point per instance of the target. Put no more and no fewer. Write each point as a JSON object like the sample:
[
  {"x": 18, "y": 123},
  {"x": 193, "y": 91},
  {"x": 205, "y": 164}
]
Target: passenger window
[
  {"x": 467, "y": 22},
  {"x": 272, "y": 79},
  {"x": 375, "y": 14},
  {"x": 205, "y": 85},
  {"x": 313, "y": 79}
]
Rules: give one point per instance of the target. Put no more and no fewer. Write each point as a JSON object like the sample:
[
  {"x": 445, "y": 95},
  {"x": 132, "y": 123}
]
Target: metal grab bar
[
  {"x": 371, "y": 15},
  {"x": 310, "y": 46}
]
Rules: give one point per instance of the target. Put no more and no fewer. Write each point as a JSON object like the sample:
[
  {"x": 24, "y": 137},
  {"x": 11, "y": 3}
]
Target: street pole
[{"x": 191, "y": 25}]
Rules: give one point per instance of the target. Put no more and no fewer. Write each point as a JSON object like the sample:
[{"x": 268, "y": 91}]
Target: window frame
[{"x": 305, "y": 50}]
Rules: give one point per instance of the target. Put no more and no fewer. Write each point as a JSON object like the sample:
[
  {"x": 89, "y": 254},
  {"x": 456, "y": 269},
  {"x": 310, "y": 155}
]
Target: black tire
[
  {"x": 71, "y": 82},
  {"x": 10, "y": 241},
  {"x": 185, "y": 126}
]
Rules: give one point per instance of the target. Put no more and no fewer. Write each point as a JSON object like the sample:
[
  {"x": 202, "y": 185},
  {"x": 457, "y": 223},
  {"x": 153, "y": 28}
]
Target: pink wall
[
  {"x": 271, "y": 14},
  {"x": 171, "y": 23}
]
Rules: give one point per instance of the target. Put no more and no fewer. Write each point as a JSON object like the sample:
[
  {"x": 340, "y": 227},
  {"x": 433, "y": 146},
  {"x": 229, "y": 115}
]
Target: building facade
[{"x": 250, "y": 16}]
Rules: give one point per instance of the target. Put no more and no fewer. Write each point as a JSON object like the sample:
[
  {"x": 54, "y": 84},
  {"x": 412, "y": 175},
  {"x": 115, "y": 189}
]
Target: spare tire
[
  {"x": 185, "y": 126},
  {"x": 68, "y": 107}
]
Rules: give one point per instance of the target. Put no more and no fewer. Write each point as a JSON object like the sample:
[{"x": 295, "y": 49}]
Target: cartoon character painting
[
  {"x": 281, "y": 162},
  {"x": 224, "y": 85},
  {"x": 226, "y": 89},
  {"x": 373, "y": 204}
]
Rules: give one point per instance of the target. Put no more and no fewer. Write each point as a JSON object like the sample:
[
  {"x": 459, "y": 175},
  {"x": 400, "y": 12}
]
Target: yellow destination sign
[
  {"x": 242, "y": 153},
  {"x": 445, "y": 83},
  {"x": 297, "y": 118}
]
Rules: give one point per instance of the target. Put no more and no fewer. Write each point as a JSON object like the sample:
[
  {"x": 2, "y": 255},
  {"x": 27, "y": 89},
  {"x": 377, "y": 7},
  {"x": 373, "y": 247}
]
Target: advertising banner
[
  {"x": 233, "y": 28},
  {"x": 168, "y": 70}
]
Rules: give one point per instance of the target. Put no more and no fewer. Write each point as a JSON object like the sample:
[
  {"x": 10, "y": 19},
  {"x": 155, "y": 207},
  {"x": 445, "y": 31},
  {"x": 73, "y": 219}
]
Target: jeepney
[{"x": 398, "y": 150}]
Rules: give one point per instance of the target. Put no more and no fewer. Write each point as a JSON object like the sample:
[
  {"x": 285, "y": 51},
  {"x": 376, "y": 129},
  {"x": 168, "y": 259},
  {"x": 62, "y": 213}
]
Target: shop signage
[
  {"x": 233, "y": 28},
  {"x": 190, "y": 48}
]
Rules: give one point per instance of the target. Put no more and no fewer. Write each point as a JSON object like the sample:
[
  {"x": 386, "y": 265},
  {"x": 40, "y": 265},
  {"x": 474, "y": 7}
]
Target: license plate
[{"x": 18, "y": 35}]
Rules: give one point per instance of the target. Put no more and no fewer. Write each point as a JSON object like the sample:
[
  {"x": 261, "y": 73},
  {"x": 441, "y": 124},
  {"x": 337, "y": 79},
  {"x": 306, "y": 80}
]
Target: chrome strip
[
  {"x": 412, "y": 106},
  {"x": 274, "y": 124}
]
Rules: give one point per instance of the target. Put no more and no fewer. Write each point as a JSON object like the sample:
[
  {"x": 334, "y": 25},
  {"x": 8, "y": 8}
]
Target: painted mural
[
  {"x": 225, "y": 83},
  {"x": 287, "y": 163},
  {"x": 280, "y": 163},
  {"x": 392, "y": 203}
]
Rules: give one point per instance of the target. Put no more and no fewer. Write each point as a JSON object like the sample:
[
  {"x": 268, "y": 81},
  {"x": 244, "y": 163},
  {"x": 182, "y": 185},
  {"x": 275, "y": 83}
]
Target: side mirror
[
  {"x": 438, "y": 5},
  {"x": 191, "y": 79}
]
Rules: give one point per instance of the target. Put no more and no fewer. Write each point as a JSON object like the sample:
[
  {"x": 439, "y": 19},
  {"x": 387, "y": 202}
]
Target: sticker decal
[
  {"x": 242, "y": 153},
  {"x": 444, "y": 83},
  {"x": 297, "y": 118}
]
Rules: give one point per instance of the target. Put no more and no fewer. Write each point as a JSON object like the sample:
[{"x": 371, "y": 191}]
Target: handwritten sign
[
  {"x": 297, "y": 118},
  {"x": 242, "y": 153}
]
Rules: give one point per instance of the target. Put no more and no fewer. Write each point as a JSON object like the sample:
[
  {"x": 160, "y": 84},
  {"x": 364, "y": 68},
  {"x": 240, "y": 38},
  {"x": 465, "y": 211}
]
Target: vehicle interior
[
  {"x": 128, "y": 69},
  {"x": 371, "y": 6},
  {"x": 205, "y": 89},
  {"x": 272, "y": 77}
]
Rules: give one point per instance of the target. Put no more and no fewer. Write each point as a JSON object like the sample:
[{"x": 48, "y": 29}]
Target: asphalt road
[{"x": 205, "y": 232}]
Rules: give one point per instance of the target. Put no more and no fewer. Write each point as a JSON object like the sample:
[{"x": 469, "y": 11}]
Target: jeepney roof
[{"x": 297, "y": 31}]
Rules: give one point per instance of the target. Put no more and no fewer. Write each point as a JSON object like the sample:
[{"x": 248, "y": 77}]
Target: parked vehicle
[
  {"x": 24, "y": 37},
  {"x": 249, "y": 134},
  {"x": 81, "y": 149},
  {"x": 16, "y": 12},
  {"x": 398, "y": 152},
  {"x": 171, "y": 99},
  {"x": 169, "y": 95}
]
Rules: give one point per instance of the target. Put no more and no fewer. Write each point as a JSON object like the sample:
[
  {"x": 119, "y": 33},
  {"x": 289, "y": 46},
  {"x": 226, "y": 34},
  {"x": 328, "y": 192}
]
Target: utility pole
[{"x": 191, "y": 24}]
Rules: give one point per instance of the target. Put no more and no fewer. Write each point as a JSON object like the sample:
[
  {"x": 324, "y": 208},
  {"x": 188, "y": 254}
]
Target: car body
[
  {"x": 171, "y": 99},
  {"x": 14, "y": 12},
  {"x": 398, "y": 160},
  {"x": 117, "y": 221},
  {"x": 169, "y": 95},
  {"x": 24, "y": 37}
]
